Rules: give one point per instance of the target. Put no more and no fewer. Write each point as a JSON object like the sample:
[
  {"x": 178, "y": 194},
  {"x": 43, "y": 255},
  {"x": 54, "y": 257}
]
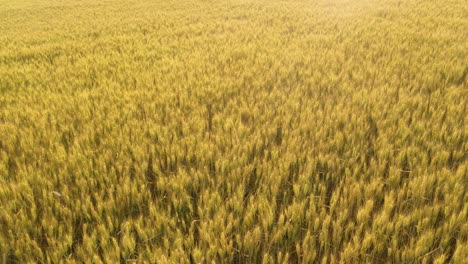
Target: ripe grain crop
[{"x": 233, "y": 131}]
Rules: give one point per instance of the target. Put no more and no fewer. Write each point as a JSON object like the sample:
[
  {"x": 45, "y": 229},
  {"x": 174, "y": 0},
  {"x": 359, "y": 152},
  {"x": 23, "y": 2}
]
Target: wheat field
[{"x": 233, "y": 131}]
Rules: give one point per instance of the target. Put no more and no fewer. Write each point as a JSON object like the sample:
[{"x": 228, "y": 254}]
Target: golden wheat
[{"x": 244, "y": 131}]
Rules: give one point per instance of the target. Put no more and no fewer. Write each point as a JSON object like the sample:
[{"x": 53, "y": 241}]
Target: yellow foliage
[{"x": 246, "y": 131}]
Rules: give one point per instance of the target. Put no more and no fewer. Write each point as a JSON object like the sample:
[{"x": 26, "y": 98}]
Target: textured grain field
[{"x": 243, "y": 131}]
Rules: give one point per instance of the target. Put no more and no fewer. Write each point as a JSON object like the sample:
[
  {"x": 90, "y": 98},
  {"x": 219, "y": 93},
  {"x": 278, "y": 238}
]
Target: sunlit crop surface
[{"x": 243, "y": 131}]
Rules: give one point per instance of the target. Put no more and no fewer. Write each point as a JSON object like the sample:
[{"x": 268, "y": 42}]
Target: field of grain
[{"x": 233, "y": 131}]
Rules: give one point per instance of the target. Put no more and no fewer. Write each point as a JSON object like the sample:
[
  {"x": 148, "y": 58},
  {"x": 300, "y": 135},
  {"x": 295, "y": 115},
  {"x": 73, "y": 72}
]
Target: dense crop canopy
[{"x": 240, "y": 131}]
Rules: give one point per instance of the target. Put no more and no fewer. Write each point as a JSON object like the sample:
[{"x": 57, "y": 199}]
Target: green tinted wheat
[{"x": 240, "y": 132}]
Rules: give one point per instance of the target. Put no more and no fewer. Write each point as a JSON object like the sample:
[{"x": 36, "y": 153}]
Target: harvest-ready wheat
[{"x": 233, "y": 131}]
